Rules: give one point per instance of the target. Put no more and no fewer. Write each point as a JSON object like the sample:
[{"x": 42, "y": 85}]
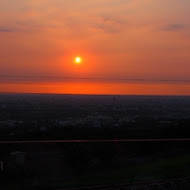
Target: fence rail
[{"x": 95, "y": 140}]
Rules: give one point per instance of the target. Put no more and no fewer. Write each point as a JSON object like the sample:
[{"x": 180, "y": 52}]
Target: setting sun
[{"x": 78, "y": 60}]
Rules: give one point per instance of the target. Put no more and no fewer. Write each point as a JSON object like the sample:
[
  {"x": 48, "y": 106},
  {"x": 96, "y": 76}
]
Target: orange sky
[
  {"x": 123, "y": 39},
  {"x": 99, "y": 88}
]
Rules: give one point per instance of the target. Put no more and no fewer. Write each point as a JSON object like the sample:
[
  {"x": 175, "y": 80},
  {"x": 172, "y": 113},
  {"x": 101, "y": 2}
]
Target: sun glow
[{"x": 78, "y": 60}]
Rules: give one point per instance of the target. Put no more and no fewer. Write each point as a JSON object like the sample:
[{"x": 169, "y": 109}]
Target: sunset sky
[{"x": 126, "y": 46}]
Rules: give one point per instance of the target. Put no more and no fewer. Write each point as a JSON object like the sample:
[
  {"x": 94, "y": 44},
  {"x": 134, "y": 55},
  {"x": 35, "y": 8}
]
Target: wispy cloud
[
  {"x": 174, "y": 27},
  {"x": 7, "y": 30},
  {"x": 31, "y": 79}
]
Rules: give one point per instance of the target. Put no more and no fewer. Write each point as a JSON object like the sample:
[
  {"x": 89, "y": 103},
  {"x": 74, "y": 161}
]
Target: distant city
[{"x": 42, "y": 115}]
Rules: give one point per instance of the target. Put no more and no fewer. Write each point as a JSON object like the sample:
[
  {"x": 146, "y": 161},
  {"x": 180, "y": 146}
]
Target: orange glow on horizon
[{"x": 98, "y": 88}]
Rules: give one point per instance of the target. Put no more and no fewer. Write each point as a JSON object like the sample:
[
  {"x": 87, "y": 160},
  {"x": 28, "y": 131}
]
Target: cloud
[
  {"x": 109, "y": 24},
  {"x": 7, "y": 30},
  {"x": 174, "y": 27}
]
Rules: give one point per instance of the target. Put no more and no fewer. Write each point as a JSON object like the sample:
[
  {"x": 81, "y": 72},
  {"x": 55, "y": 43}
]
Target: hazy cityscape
[
  {"x": 38, "y": 117},
  {"x": 26, "y": 116}
]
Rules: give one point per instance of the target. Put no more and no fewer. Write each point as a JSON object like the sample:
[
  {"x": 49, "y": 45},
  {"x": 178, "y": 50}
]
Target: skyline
[{"x": 125, "y": 39}]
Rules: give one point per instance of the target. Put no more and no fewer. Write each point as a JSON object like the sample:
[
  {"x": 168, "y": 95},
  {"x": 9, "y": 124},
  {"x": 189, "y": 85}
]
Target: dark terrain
[{"x": 59, "y": 117}]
